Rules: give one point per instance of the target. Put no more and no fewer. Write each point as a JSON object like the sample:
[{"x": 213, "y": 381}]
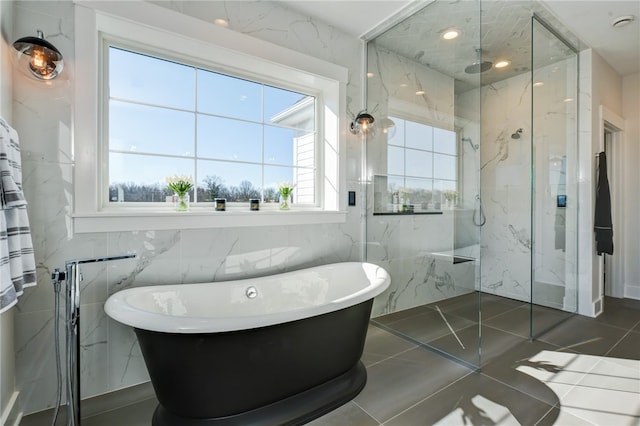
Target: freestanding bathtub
[{"x": 274, "y": 350}]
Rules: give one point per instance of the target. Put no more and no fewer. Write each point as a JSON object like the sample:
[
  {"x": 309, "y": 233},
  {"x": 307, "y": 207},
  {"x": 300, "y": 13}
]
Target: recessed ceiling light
[
  {"x": 502, "y": 64},
  {"x": 538, "y": 84},
  {"x": 403, "y": 84},
  {"x": 450, "y": 34},
  {"x": 369, "y": 74},
  {"x": 567, "y": 100},
  {"x": 420, "y": 92},
  {"x": 221, "y": 22},
  {"x": 621, "y": 21}
]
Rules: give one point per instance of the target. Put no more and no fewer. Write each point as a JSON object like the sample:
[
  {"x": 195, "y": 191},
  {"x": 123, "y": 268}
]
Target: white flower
[
  {"x": 180, "y": 184},
  {"x": 286, "y": 188}
]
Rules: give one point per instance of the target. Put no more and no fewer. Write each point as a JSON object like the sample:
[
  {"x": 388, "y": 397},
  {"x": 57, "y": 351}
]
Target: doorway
[{"x": 611, "y": 275}]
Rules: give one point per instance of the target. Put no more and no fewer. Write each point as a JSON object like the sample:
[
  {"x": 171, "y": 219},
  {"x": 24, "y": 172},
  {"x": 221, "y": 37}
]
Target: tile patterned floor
[{"x": 582, "y": 372}]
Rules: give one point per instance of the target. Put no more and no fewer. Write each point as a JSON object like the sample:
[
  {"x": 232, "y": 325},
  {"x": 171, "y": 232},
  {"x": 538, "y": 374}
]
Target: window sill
[{"x": 168, "y": 220}]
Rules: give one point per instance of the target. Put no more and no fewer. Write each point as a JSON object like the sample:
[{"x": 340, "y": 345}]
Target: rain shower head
[
  {"x": 516, "y": 134},
  {"x": 479, "y": 66}
]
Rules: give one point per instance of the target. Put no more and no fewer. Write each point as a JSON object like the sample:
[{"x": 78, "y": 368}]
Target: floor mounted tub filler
[{"x": 274, "y": 350}]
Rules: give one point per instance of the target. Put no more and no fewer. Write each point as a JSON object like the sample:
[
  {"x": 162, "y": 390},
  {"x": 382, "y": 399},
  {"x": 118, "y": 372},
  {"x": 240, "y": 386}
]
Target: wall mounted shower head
[
  {"x": 517, "y": 133},
  {"x": 479, "y": 66}
]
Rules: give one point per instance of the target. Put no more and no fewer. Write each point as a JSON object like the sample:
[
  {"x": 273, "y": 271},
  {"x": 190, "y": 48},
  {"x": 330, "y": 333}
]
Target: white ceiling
[{"x": 589, "y": 20}]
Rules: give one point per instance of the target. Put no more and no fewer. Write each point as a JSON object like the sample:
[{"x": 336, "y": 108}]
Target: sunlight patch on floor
[
  {"x": 599, "y": 389},
  {"x": 481, "y": 411}
]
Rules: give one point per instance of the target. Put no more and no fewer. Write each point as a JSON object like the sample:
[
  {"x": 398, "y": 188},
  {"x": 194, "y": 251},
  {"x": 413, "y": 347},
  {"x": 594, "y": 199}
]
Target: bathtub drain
[{"x": 251, "y": 292}]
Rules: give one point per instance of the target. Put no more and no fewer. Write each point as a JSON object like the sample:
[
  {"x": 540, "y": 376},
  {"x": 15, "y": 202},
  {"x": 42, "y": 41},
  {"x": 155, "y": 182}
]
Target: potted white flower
[
  {"x": 286, "y": 191},
  {"x": 180, "y": 185}
]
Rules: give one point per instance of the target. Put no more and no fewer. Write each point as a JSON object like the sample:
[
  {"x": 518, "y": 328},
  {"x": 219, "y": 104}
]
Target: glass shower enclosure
[
  {"x": 554, "y": 126},
  {"x": 470, "y": 171}
]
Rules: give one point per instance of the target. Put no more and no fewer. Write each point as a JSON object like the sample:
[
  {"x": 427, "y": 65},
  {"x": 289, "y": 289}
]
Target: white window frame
[{"x": 181, "y": 36}]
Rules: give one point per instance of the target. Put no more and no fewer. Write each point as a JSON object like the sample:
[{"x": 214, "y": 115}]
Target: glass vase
[
  {"x": 284, "y": 202},
  {"x": 182, "y": 202}
]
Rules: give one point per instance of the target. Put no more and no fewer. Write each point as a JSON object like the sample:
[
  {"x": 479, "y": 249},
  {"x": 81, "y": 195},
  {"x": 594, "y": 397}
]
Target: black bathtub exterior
[{"x": 287, "y": 373}]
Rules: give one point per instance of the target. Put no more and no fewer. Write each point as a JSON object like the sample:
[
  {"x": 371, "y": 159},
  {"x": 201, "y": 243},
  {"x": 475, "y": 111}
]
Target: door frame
[{"x": 613, "y": 124}]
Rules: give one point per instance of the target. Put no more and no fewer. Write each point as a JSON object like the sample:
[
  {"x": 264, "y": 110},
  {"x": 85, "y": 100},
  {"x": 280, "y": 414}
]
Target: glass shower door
[
  {"x": 423, "y": 166},
  {"x": 554, "y": 196}
]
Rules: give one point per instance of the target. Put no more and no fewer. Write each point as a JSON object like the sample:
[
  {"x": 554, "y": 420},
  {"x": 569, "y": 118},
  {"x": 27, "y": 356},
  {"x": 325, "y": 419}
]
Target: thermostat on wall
[{"x": 562, "y": 201}]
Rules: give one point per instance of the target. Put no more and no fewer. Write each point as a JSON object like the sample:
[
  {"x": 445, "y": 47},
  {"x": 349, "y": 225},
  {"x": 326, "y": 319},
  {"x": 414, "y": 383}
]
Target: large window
[
  {"x": 422, "y": 162},
  {"x": 158, "y": 93},
  {"x": 235, "y": 137}
]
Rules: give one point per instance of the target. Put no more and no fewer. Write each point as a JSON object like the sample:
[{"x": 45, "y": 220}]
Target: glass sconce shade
[
  {"x": 362, "y": 122},
  {"x": 39, "y": 56},
  {"x": 388, "y": 127}
]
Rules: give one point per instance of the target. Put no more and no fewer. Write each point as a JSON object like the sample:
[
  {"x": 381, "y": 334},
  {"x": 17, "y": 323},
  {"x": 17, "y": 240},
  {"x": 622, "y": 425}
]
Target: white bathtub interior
[{"x": 248, "y": 303}]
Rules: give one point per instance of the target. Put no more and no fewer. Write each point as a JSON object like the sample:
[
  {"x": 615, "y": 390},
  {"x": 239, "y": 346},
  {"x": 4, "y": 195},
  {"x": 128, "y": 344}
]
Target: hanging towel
[
  {"x": 602, "y": 225},
  {"x": 17, "y": 262}
]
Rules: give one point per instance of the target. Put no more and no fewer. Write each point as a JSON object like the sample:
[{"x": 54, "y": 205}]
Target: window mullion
[
  {"x": 262, "y": 158},
  {"x": 195, "y": 136},
  {"x": 404, "y": 158}
]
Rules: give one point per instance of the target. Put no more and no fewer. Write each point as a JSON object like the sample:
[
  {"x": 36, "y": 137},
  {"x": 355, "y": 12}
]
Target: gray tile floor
[{"x": 582, "y": 372}]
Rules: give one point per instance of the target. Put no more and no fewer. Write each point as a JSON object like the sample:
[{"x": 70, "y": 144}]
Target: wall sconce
[
  {"x": 39, "y": 56},
  {"x": 388, "y": 127},
  {"x": 363, "y": 121}
]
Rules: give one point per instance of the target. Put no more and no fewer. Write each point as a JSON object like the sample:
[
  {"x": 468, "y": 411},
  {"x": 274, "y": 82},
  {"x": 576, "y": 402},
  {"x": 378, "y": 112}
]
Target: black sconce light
[
  {"x": 362, "y": 122},
  {"x": 39, "y": 56}
]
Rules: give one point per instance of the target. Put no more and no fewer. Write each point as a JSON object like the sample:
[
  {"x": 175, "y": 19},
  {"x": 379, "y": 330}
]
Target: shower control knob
[
  {"x": 251, "y": 292},
  {"x": 58, "y": 275}
]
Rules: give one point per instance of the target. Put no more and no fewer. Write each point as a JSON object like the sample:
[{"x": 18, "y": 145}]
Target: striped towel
[{"x": 17, "y": 262}]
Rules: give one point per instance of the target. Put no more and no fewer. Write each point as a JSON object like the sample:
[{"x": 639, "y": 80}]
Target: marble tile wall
[
  {"x": 587, "y": 266},
  {"x": 418, "y": 253},
  {"x": 416, "y": 249},
  {"x": 555, "y": 159},
  {"x": 506, "y": 186},
  {"x": 110, "y": 355}
]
